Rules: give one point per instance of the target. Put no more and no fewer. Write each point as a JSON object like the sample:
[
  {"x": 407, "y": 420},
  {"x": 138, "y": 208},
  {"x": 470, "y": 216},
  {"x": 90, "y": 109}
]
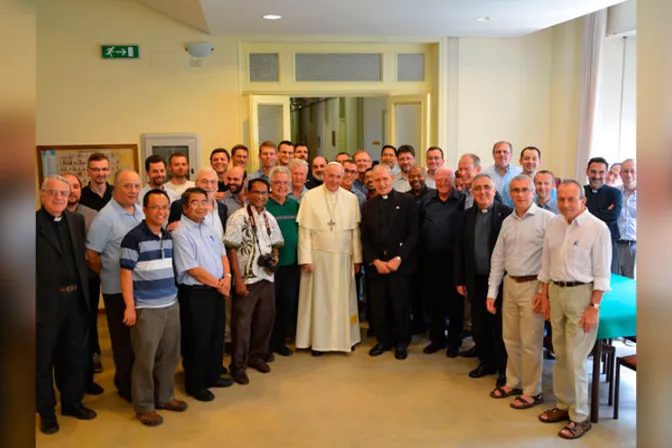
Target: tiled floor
[{"x": 346, "y": 401}]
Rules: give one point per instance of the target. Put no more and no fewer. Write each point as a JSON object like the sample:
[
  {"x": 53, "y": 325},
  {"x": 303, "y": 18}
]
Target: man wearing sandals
[
  {"x": 575, "y": 274},
  {"x": 518, "y": 254}
]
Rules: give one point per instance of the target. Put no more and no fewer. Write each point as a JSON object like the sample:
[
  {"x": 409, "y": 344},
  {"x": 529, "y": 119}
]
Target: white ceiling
[{"x": 381, "y": 18}]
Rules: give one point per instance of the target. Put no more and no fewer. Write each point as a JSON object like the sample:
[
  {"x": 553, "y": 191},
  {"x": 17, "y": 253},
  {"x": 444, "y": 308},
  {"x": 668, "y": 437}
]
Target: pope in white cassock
[{"x": 330, "y": 252}]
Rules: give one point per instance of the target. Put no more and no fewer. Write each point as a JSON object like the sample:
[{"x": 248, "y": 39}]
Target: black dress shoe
[
  {"x": 202, "y": 395},
  {"x": 434, "y": 347},
  {"x": 223, "y": 382},
  {"x": 240, "y": 377},
  {"x": 471, "y": 353},
  {"x": 79, "y": 411},
  {"x": 269, "y": 357},
  {"x": 453, "y": 351},
  {"x": 316, "y": 353},
  {"x": 400, "y": 352},
  {"x": 501, "y": 380},
  {"x": 94, "y": 389},
  {"x": 49, "y": 425},
  {"x": 378, "y": 350},
  {"x": 284, "y": 351},
  {"x": 481, "y": 371}
]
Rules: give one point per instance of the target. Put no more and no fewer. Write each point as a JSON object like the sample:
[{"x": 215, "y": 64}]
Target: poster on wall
[{"x": 61, "y": 159}]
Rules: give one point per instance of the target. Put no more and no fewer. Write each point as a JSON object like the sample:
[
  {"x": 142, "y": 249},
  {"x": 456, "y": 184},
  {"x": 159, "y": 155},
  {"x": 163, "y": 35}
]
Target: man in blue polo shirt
[
  {"x": 152, "y": 311},
  {"x": 103, "y": 242}
]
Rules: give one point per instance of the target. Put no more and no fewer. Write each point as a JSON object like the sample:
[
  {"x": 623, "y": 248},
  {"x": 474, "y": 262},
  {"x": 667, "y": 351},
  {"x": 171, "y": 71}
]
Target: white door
[
  {"x": 408, "y": 122},
  {"x": 269, "y": 121}
]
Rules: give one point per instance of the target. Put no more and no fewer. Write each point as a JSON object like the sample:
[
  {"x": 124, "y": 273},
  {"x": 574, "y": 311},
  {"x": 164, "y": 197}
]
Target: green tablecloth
[{"x": 618, "y": 313}]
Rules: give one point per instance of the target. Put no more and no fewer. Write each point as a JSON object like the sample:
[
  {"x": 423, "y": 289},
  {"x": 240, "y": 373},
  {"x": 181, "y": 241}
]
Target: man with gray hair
[
  {"x": 502, "y": 171},
  {"x": 61, "y": 306},
  {"x": 103, "y": 251},
  {"x": 627, "y": 221},
  {"x": 299, "y": 172},
  {"x": 517, "y": 254},
  {"x": 575, "y": 274}
]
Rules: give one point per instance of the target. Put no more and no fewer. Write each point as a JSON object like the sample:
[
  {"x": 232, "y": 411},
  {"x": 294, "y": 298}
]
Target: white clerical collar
[{"x": 58, "y": 218}]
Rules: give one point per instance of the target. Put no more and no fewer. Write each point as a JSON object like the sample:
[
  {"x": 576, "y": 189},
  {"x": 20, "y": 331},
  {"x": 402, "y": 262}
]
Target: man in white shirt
[
  {"x": 502, "y": 171},
  {"x": 155, "y": 172},
  {"x": 627, "y": 221},
  {"x": 179, "y": 167},
  {"x": 435, "y": 161},
  {"x": 518, "y": 254},
  {"x": 405, "y": 159},
  {"x": 575, "y": 274}
]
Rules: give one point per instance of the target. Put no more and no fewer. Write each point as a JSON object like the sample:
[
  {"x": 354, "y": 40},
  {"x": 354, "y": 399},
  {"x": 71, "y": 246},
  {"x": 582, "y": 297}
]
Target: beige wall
[{"x": 523, "y": 89}]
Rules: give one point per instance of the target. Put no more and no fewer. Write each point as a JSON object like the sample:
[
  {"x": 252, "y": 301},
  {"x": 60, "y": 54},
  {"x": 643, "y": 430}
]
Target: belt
[
  {"x": 200, "y": 287},
  {"x": 523, "y": 278},
  {"x": 626, "y": 242},
  {"x": 569, "y": 284},
  {"x": 68, "y": 288}
]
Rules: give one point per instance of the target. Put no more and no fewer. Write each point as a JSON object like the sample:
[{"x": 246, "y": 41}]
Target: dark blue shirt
[{"x": 598, "y": 203}]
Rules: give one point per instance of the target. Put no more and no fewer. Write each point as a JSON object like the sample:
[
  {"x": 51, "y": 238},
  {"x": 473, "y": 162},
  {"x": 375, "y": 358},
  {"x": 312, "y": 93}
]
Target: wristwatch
[
  {"x": 227, "y": 274},
  {"x": 596, "y": 306},
  {"x": 398, "y": 258}
]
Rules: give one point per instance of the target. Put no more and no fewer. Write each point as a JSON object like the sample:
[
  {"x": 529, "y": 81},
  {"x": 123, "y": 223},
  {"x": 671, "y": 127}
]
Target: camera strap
[{"x": 253, "y": 224}]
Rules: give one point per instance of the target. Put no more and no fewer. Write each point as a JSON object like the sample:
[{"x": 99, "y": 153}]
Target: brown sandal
[
  {"x": 521, "y": 403},
  {"x": 577, "y": 429},
  {"x": 499, "y": 392},
  {"x": 554, "y": 415}
]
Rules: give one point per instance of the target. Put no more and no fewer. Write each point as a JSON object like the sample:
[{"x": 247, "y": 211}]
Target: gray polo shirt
[{"x": 107, "y": 230}]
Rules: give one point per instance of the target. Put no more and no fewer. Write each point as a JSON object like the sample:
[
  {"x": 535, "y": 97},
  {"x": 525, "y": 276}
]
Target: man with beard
[
  {"x": 285, "y": 152},
  {"x": 98, "y": 192},
  {"x": 155, "y": 171},
  {"x": 179, "y": 167},
  {"x": 301, "y": 151},
  {"x": 316, "y": 175},
  {"x": 468, "y": 167},
  {"x": 235, "y": 199},
  {"x": 329, "y": 255},
  {"x": 405, "y": 159},
  {"x": 604, "y": 202},
  {"x": 419, "y": 189},
  {"x": 434, "y": 162},
  {"x": 219, "y": 161},
  {"x": 363, "y": 161},
  {"x": 368, "y": 183}
]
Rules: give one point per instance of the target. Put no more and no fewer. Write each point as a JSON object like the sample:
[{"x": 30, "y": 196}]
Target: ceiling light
[
  {"x": 483, "y": 19},
  {"x": 272, "y": 17}
]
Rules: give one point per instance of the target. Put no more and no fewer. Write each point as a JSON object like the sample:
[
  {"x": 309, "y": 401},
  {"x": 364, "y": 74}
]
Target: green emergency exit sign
[{"x": 120, "y": 51}]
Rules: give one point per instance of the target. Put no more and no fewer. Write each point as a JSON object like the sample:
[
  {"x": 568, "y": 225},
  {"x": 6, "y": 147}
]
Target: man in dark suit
[
  {"x": 604, "y": 202},
  {"x": 62, "y": 306},
  {"x": 390, "y": 228},
  {"x": 480, "y": 229}
]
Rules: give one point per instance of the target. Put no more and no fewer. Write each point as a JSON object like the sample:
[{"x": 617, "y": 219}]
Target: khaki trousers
[
  {"x": 572, "y": 346},
  {"x": 523, "y": 333}
]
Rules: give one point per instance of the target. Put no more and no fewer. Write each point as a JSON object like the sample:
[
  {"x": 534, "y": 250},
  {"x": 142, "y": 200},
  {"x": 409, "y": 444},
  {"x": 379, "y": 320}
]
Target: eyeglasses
[
  {"x": 58, "y": 193},
  {"x": 482, "y": 188},
  {"x": 520, "y": 190},
  {"x": 206, "y": 182},
  {"x": 260, "y": 193},
  {"x": 280, "y": 182},
  {"x": 130, "y": 186},
  {"x": 351, "y": 172},
  {"x": 156, "y": 208}
]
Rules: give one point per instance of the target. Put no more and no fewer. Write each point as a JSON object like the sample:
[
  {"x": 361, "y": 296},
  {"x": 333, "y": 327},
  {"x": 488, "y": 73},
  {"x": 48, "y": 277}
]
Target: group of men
[{"x": 284, "y": 250}]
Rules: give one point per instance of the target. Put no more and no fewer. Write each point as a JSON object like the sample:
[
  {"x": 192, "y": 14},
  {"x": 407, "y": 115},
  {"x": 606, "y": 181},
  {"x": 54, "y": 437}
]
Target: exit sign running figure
[{"x": 120, "y": 51}]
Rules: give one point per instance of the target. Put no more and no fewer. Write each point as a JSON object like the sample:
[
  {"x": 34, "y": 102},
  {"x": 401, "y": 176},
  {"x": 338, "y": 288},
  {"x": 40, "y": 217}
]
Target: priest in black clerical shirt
[
  {"x": 604, "y": 202},
  {"x": 390, "y": 227},
  {"x": 62, "y": 306}
]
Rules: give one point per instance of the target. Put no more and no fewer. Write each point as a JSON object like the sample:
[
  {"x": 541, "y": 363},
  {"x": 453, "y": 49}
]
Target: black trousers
[
  {"x": 391, "y": 308},
  {"x": 202, "y": 315},
  {"x": 120, "y": 336},
  {"x": 486, "y": 327},
  {"x": 94, "y": 298},
  {"x": 286, "y": 283},
  {"x": 62, "y": 345},
  {"x": 442, "y": 299},
  {"x": 418, "y": 315},
  {"x": 368, "y": 308}
]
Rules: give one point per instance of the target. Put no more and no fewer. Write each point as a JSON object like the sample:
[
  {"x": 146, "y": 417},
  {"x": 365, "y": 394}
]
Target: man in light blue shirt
[
  {"x": 530, "y": 159},
  {"x": 204, "y": 281},
  {"x": 627, "y": 221},
  {"x": 268, "y": 158},
  {"x": 103, "y": 251},
  {"x": 545, "y": 196},
  {"x": 502, "y": 171}
]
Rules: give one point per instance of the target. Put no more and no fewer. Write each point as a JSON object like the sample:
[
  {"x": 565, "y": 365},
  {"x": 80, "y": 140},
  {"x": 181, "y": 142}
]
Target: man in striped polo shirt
[{"x": 152, "y": 312}]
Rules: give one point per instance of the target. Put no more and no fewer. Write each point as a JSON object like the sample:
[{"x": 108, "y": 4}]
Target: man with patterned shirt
[{"x": 252, "y": 238}]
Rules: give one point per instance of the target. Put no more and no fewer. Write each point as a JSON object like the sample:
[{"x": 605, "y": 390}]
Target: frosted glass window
[
  {"x": 338, "y": 67},
  {"x": 264, "y": 67}
]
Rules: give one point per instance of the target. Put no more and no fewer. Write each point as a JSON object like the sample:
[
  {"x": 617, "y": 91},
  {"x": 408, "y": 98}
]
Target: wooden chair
[{"x": 627, "y": 361}]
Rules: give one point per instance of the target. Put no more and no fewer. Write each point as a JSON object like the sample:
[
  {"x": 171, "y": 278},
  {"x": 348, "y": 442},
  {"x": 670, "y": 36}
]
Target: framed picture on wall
[{"x": 59, "y": 159}]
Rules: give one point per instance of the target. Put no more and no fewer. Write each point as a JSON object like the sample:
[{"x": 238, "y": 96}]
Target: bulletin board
[{"x": 62, "y": 159}]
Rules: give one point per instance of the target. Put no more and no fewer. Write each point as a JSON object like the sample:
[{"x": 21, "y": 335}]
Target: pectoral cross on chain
[{"x": 331, "y": 224}]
